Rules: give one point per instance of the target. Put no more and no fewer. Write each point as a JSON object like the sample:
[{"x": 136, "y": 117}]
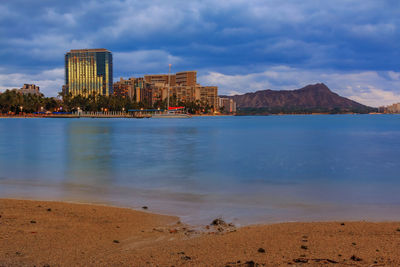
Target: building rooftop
[
  {"x": 181, "y": 72},
  {"x": 88, "y": 50}
]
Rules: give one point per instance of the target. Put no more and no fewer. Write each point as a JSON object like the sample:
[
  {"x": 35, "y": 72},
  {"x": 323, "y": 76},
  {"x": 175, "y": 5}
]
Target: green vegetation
[
  {"x": 98, "y": 103},
  {"x": 193, "y": 107},
  {"x": 16, "y": 103}
]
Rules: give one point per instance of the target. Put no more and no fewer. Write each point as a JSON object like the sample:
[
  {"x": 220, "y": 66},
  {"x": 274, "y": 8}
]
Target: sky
[{"x": 353, "y": 46}]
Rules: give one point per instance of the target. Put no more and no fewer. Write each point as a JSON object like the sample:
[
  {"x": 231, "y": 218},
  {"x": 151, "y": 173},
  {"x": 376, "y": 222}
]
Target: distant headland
[{"x": 314, "y": 98}]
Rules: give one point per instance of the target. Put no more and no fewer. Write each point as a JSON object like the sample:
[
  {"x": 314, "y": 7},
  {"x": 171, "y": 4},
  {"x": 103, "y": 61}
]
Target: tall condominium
[{"x": 89, "y": 72}]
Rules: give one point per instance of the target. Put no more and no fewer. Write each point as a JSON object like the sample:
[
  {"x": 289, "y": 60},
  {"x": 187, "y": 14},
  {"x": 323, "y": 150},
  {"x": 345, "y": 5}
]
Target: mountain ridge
[{"x": 311, "y": 98}]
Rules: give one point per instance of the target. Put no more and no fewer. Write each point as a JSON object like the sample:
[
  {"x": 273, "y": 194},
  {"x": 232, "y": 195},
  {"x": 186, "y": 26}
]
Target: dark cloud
[{"x": 235, "y": 37}]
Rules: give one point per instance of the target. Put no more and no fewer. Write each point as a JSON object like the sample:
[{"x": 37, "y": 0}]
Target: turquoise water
[{"x": 245, "y": 169}]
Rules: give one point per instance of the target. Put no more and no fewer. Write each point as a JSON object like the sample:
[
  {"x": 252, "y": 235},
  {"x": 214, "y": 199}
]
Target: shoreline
[
  {"x": 64, "y": 234},
  {"x": 197, "y": 208},
  {"x": 193, "y": 115}
]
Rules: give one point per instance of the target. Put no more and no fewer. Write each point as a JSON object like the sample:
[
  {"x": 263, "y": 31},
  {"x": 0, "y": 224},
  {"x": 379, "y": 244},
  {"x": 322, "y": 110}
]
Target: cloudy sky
[{"x": 240, "y": 45}]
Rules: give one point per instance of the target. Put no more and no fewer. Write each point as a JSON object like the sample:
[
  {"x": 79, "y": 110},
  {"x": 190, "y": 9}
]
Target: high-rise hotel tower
[{"x": 88, "y": 72}]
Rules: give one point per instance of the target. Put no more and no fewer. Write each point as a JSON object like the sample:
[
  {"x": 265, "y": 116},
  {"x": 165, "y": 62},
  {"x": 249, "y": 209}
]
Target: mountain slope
[{"x": 316, "y": 97}]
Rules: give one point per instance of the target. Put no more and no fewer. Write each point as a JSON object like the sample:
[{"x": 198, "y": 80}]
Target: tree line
[
  {"x": 99, "y": 103},
  {"x": 12, "y": 101}
]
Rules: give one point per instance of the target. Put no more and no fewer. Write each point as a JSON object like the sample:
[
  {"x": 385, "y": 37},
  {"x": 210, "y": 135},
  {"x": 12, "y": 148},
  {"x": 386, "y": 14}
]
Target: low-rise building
[
  {"x": 227, "y": 105},
  {"x": 395, "y": 108},
  {"x": 28, "y": 89},
  {"x": 134, "y": 88},
  {"x": 125, "y": 88},
  {"x": 208, "y": 95}
]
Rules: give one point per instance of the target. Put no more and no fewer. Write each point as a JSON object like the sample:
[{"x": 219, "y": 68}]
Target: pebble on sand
[
  {"x": 300, "y": 260},
  {"x": 218, "y": 221},
  {"x": 355, "y": 258},
  {"x": 250, "y": 263}
]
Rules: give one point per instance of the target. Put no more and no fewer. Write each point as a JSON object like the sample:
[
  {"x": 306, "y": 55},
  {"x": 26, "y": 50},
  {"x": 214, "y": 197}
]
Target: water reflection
[
  {"x": 159, "y": 154},
  {"x": 104, "y": 152},
  {"x": 88, "y": 148}
]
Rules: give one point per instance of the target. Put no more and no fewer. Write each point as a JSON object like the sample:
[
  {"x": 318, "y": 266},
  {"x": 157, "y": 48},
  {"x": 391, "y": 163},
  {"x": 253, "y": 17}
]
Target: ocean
[{"x": 255, "y": 169}]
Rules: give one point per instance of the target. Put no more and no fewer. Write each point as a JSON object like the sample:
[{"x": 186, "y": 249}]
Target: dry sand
[{"x": 38, "y": 233}]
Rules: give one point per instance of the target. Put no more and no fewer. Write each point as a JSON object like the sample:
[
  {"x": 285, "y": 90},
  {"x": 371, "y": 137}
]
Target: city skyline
[{"x": 245, "y": 46}]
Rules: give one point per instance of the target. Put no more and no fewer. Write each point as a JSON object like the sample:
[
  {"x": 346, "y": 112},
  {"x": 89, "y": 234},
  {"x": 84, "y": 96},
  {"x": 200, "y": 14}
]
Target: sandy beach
[{"x": 39, "y": 233}]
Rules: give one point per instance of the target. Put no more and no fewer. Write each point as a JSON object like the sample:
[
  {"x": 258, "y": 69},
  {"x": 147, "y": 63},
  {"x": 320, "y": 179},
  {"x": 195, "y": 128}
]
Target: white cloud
[
  {"x": 49, "y": 81},
  {"x": 367, "y": 87},
  {"x": 142, "y": 19},
  {"x": 52, "y": 16},
  {"x": 394, "y": 75},
  {"x": 376, "y": 97},
  {"x": 374, "y": 30}
]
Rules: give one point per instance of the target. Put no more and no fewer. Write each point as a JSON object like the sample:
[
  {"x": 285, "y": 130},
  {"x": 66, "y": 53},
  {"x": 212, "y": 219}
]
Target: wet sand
[{"x": 39, "y": 233}]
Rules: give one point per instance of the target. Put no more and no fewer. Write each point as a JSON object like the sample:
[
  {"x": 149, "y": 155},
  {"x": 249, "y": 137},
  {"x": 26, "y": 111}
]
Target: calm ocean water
[{"x": 245, "y": 169}]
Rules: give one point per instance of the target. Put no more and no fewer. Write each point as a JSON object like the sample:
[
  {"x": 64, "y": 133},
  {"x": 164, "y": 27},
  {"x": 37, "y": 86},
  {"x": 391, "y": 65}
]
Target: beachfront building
[
  {"x": 89, "y": 72},
  {"x": 153, "y": 88},
  {"x": 125, "y": 88},
  {"x": 186, "y": 78},
  {"x": 227, "y": 105},
  {"x": 161, "y": 79},
  {"x": 395, "y": 108},
  {"x": 208, "y": 95},
  {"x": 29, "y": 89},
  {"x": 134, "y": 88}
]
